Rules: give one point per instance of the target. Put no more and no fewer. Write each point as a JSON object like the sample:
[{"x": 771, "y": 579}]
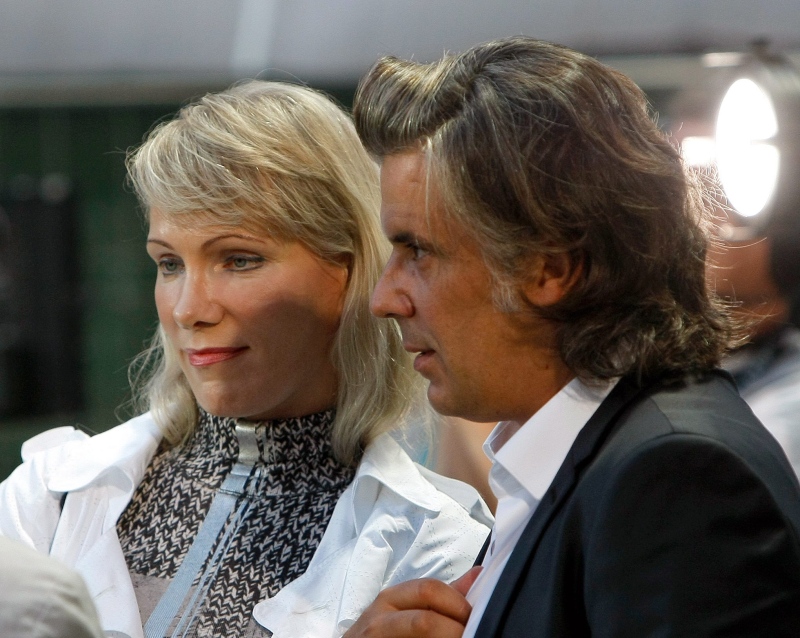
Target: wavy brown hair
[{"x": 539, "y": 149}]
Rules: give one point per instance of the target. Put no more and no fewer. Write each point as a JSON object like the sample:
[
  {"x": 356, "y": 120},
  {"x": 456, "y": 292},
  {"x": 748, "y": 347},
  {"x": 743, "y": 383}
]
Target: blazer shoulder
[
  {"x": 707, "y": 417},
  {"x": 709, "y": 407}
]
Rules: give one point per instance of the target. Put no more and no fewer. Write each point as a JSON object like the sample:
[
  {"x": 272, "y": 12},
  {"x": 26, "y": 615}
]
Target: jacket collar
[
  {"x": 127, "y": 448},
  {"x": 583, "y": 450}
]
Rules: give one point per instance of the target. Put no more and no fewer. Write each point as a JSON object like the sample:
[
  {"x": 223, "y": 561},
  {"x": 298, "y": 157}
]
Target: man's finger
[
  {"x": 408, "y": 623},
  {"x": 425, "y": 607},
  {"x": 462, "y": 585},
  {"x": 427, "y": 594}
]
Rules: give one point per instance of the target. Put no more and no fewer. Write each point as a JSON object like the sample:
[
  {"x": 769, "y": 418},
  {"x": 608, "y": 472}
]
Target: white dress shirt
[{"x": 525, "y": 460}]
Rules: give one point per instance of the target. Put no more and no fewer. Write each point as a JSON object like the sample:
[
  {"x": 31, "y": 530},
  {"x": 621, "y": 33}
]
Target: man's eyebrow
[{"x": 404, "y": 237}]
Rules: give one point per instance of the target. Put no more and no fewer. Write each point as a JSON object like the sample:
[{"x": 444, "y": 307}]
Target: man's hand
[{"x": 418, "y": 608}]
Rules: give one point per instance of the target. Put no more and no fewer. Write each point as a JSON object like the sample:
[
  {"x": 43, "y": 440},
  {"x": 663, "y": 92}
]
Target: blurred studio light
[
  {"x": 748, "y": 159},
  {"x": 699, "y": 150},
  {"x": 758, "y": 138}
]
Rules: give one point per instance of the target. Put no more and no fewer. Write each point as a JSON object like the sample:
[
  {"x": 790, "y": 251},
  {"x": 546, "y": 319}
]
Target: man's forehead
[
  {"x": 405, "y": 192},
  {"x": 412, "y": 210},
  {"x": 403, "y": 172}
]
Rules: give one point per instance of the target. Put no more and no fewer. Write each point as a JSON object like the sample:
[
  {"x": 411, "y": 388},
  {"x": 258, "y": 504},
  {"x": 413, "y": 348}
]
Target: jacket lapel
[{"x": 583, "y": 450}]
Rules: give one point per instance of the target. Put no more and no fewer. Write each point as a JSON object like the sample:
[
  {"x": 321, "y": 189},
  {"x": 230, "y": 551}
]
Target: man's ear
[{"x": 551, "y": 277}]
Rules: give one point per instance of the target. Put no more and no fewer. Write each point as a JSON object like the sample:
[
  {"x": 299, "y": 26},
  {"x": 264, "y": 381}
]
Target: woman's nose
[{"x": 196, "y": 305}]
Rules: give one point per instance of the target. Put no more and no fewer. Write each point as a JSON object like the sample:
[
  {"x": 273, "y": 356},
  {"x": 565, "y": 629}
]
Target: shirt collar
[
  {"x": 386, "y": 464},
  {"x": 127, "y": 448},
  {"x": 531, "y": 454}
]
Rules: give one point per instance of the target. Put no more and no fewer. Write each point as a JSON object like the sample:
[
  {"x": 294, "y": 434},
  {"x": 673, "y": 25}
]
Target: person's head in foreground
[
  {"x": 539, "y": 219},
  {"x": 261, "y": 207}
]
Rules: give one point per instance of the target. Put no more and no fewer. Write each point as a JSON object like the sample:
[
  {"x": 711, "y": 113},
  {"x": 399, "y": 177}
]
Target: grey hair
[{"x": 285, "y": 160}]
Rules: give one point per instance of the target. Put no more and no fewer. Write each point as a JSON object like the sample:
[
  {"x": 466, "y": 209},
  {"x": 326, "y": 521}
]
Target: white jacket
[{"x": 396, "y": 521}]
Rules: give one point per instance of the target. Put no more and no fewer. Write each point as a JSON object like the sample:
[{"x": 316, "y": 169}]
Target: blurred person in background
[
  {"x": 754, "y": 264},
  {"x": 459, "y": 454},
  {"x": 261, "y": 492},
  {"x": 759, "y": 271}
]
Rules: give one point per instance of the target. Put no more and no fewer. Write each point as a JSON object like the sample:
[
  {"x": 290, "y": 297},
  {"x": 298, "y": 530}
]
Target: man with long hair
[{"x": 549, "y": 270}]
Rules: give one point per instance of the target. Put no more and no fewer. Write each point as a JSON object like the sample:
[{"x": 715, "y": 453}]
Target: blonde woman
[{"x": 259, "y": 493}]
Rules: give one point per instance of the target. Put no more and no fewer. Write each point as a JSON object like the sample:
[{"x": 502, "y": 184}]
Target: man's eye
[{"x": 417, "y": 251}]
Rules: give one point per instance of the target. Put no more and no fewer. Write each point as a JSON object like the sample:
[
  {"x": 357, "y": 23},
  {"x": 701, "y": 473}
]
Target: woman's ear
[
  {"x": 550, "y": 278},
  {"x": 346, "y": 262}
]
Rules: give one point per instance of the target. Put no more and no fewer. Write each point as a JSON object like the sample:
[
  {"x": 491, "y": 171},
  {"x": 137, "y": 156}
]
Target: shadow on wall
[
  {"x": 40, "y": 319},
  {"x": 40, "y": 310},
  {"x": 77, "y": 303}
]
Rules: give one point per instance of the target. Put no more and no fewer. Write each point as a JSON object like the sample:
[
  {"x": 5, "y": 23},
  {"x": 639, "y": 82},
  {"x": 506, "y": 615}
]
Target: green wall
[{"x": 88, "y": 145}]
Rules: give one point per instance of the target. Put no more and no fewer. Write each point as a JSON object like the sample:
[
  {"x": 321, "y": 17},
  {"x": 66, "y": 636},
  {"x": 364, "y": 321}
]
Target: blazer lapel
[
  {"x": 484, "y": 549},
  {"x": 585, "y": 447}
]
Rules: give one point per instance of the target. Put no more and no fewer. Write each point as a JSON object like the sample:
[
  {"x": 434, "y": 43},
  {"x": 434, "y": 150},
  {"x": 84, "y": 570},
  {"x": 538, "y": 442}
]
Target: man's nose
[{"x": 390, "y": 299}]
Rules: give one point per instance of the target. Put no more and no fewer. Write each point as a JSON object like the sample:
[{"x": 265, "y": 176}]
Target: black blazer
[{"x": 675, "y": 513}]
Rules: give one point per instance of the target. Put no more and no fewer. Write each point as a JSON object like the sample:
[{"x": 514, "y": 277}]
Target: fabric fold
[{"x": 391, "y": 524}]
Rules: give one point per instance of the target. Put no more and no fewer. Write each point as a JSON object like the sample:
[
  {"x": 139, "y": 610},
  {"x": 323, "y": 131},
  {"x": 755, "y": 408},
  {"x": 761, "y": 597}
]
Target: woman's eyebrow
[
  {"x": 160, "y": 242},
  {"x": 208, "y": 242}
]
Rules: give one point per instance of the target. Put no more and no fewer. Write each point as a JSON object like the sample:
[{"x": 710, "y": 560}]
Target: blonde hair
[{"x": 281, "y": 159}]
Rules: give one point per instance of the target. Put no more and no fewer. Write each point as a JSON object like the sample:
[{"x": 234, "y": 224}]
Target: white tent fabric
[{"x": 151, "y": 42}]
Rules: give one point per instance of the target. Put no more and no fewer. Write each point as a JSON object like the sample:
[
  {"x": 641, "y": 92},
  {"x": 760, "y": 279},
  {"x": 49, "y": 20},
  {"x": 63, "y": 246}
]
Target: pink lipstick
[{"x": 210, "y": 356}]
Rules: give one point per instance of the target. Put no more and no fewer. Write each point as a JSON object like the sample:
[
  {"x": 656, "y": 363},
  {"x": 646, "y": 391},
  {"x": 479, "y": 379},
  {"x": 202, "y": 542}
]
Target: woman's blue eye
[
  {"x": 244, "y": 262},
  {"x": 168, "y": 266}
]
